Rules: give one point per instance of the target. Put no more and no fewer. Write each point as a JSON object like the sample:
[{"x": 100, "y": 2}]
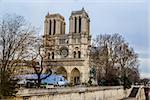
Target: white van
[
  {"x": 60, "y": 81},
  {"x": 55, "y": 80}
]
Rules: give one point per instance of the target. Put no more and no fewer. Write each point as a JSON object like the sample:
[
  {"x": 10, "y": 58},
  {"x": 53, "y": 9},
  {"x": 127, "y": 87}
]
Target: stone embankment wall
[
  {"x": 75, "y": 93},
  {"x": 139, "y": 96}
]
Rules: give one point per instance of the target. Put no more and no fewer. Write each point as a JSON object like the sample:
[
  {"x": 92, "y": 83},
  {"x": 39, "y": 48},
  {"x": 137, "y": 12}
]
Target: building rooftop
[
  {"x": 54, "y": 15},
  {"x": 82, "y": 11}
]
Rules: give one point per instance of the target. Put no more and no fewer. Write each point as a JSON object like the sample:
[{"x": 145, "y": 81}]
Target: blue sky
[{"x": 130, "y": 18}]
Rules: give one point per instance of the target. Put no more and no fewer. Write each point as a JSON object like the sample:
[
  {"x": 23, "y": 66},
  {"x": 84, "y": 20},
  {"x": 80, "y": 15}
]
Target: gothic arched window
[
  {"x": 54, "y": 27},
  {"x": 79, "y": 54},
  {"x": 61, "y": 28},
  {"x": 52, "y": 55},
  {"x": 74, "y": 54},
  {"x": 50, "y": 27},
  {"x": 75, "y": 25},
  {"x": 49, "y": 55},
  {"x": 80, "y": 24}
]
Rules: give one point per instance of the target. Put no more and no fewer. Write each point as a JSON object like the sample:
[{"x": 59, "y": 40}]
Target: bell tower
[
  {"x": 54, "y": 27},
  {"x": 54, "y": 24},
  {"x": 79, "y": 22},
  {"x": 79, "y": 34}
]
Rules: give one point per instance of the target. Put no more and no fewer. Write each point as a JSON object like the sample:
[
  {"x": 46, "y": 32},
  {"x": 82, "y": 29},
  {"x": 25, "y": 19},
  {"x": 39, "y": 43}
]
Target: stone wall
[{"x": 75, "y": 93}]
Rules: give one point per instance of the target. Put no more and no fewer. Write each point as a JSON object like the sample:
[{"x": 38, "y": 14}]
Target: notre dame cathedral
[{"x": 68, "y": 53}]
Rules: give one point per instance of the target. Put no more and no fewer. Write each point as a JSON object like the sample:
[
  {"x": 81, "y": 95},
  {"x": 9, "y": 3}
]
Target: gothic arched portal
[
  {"x": 62, "y": 71},
  {"x": 75, "y": 76}
]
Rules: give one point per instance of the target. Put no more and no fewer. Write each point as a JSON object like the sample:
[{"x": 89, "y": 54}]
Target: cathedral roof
[
  {"x": 54, "y": 15},
  {"x": 82, "y": 11}
]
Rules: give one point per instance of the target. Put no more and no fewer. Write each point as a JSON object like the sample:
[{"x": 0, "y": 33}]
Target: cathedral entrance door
[{"x": 75, "y": 76}]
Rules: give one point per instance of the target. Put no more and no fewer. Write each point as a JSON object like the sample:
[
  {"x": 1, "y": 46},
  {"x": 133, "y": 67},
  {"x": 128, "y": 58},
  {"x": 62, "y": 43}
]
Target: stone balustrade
[{"x": 74, "y": 93}]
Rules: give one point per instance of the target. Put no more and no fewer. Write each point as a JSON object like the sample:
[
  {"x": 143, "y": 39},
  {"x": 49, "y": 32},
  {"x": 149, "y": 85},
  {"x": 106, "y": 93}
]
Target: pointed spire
[{"x": 83, "y": 9}]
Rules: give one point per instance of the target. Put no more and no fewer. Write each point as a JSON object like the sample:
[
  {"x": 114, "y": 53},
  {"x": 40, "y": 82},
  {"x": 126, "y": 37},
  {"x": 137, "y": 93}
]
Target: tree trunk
[{"x": 39, "y": 81}]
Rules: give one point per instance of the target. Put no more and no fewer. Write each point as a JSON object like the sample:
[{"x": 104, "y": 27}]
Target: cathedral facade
[{"x": 68, "y": 53}]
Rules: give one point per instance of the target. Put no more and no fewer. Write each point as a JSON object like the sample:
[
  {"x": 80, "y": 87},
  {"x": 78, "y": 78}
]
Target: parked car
[
  {"x": 26, "y": 83},
  {"x": 56, "y": 80}
]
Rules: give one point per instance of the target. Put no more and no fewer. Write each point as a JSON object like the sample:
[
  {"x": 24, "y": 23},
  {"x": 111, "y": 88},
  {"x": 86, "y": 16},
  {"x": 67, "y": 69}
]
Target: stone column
[
  {"x": 57, "y": 27},
  {"x": 70, "y": 24},
  {"x": 69, "y": 76},
  {"x": 70, "y": 46},
  {"x": 56, "y": 41},
  {"x": 83, "y": 49},
  {"x": 46, "y": 26},
  {"x": 73, "y": 24},
  {"x": 83, "y": 24},
  {"x": 82, "y": 80},
  {"x": 60, "y": 27}
]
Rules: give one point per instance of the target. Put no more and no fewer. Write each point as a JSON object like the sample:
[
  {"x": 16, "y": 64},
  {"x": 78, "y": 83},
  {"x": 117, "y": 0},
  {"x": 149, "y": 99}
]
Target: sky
[{"x": 130, "y": 18}]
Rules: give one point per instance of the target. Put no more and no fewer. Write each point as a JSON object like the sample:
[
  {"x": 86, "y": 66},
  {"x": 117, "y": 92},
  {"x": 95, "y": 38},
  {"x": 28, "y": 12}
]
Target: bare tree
[
  {"x": 113, "y": 55},
  {"x": 38, "y": 55},
  {"x": 16, "y": 37},
  {"x": 105, "y": 58},
  {"x": 128, "y": 61}
]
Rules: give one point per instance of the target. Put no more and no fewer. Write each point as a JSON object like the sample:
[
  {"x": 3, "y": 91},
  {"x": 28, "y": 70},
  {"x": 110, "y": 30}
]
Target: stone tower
[
  {"x": 54, "y": 24},
  {"x": 68, "y": 54},
  {"x": 79, "y": 22},
  {"x": 79, "y": 36}
]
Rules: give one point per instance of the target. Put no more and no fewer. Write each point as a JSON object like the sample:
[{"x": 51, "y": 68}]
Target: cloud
[
  {"x": 145, "y": 75},
  {"x": 90, "y": 1},
  {"x": 142, "y": 51},
  {"x": 144, "y": 67}
]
